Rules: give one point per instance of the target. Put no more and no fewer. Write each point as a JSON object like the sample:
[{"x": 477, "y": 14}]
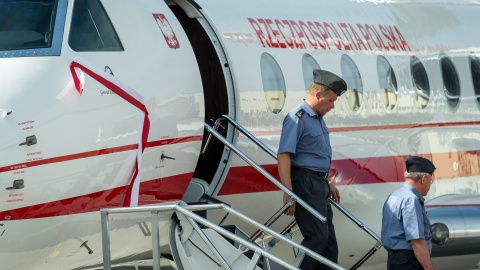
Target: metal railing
[
  {"x": 187, "y": 210},
  {"x": 294, "y": 198}
]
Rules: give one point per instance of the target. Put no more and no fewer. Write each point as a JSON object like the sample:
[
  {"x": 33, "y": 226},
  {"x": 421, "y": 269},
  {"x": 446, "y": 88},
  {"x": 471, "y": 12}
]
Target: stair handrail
[
  {"x": 293, "y": 197},
  {"x": 275, "y": 216},
  {"x": 274, "y": 155},
  {"x": 249, "y": 244},
  {"x": 188, "y": 211}
]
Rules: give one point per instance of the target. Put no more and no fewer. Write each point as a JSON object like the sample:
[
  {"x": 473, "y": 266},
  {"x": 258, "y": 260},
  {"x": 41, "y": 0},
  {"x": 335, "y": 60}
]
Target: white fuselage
[{"x": 86, "y": 147}]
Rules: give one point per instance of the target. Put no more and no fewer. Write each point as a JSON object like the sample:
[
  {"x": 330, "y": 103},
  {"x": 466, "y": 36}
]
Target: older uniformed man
[
  {"x": 304, "y": 158},
  {"x": 406, "y": 233}
]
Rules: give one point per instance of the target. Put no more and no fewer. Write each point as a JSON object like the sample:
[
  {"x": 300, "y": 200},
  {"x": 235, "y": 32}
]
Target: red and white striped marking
[{"x": 77, "y": 68}]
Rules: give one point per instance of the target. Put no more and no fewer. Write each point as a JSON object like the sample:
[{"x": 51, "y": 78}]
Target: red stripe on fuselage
[
  {"x": 247, "y": 180},
  {"x": 153, "y": 191},
  {"x": 357, "y": 171},
  {"x": 95, "y": 153},
  {"x": 348, "y": 172}
]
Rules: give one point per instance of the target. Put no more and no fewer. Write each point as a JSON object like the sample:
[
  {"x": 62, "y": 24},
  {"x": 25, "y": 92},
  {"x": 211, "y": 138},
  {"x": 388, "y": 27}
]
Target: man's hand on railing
[
  {"x": 334, "y": 194},
  {"x": 290, "y": 210}
]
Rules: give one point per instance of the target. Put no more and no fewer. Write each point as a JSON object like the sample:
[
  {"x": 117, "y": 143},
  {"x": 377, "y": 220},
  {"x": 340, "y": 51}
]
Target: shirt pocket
[{"x": 316, "y": 139}]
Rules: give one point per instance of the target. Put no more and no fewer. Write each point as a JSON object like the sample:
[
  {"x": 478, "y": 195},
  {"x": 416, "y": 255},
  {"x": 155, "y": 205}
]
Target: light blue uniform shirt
[
  {"x": 404, "y": 219},
  {"x": 307, "y": 139}
]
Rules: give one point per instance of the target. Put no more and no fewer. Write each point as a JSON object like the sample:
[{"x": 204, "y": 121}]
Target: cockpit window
[
  {"x": 91, "y": 28},
  {"x": 26, "y": 24}
]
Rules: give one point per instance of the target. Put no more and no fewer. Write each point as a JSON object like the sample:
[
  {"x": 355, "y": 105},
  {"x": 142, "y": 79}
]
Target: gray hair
[{"x": 415, "y": 176}]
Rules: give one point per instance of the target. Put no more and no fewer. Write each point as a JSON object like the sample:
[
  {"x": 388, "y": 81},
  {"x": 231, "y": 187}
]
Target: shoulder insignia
[{"x": 300, "y": 113}]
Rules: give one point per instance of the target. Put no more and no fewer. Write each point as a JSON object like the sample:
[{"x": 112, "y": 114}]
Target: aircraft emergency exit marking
[
  {"x": 15, "y": 199},
  {"x": 34, "y": 158},
  {"x": 26, "y": 122},
  {"x": 275, "y": 33},
  {"x": 30, "y": 123}
]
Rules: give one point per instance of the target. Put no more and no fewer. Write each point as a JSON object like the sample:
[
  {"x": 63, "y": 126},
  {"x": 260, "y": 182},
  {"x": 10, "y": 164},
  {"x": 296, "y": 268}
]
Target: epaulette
[{"x": 300, "y": 113}]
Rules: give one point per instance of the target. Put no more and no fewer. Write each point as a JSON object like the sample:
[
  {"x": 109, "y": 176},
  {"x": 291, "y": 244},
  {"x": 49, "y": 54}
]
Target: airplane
[{"x": 103, "y": 104}]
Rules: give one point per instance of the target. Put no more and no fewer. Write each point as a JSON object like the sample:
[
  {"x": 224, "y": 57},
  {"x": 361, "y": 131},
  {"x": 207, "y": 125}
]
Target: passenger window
[
  {"x": 308, "y": 65},
  {"x": 273, "y": 83},
  {"x": 420, "y": 82},
  {"x": 26, "y": 24},
  {"x": 475, "y": 68},
  {"x": 388, "y": 82},
  {"x": 451, "y": 83},
  {"x": 351, "y": 75},
  {"x": 91, "y": 29}
]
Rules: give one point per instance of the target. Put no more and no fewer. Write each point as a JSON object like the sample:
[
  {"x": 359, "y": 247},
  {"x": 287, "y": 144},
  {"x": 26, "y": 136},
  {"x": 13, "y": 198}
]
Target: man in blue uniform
[
  {"x": 304, "y": 158},
  {"x": 406, "y": 233}
]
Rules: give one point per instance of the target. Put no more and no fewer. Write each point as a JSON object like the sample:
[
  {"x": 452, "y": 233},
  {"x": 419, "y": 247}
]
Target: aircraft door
[
  {"x": 163, "y": 68},
  {"x": 217, "y": 85}
]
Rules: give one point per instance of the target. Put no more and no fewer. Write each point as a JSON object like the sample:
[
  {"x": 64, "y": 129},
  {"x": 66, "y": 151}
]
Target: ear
[{"x": 423, "y": 179}]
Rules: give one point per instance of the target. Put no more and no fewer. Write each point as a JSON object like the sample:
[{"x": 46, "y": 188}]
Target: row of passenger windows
[{"x": 275, "y": 90}]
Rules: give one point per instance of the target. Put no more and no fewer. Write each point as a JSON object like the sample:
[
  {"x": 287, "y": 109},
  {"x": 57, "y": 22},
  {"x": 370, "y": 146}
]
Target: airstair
[{"x": 197, "y": 243}]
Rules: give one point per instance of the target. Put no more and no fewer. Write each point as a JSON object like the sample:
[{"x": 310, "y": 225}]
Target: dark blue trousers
[
  {"x": 402, "y": 261},
  {"x": 317, "y": 236}
]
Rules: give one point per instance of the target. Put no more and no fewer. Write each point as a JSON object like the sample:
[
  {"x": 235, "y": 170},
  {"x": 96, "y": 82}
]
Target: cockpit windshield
[{"x": 26, "y": 24}]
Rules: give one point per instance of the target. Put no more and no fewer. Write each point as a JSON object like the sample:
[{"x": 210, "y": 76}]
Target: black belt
[
  {"x": 321, "y": 174},
  {"x": 400, "y": 251}
]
